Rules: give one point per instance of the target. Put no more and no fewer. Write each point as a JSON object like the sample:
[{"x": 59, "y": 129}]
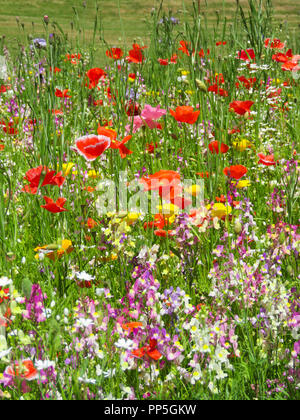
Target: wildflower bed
[{"x": 149, "y": 217}]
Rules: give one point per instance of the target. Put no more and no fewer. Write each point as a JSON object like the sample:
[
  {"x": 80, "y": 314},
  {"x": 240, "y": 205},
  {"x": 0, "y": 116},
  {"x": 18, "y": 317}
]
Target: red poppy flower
[
  {"x": 246, "y": 55},
  {"x": 56, "y": 111},
  {"x": 163, "y": 233},
  {"x": 267, "y": 160},
  {"x": 1, "y": 146},
  {"x": 174, "y": 58},
  {"x": 159, "y": 222},
  {"x": 62, "y": 94},
  {"x": 184, "y": 48},
  {"x": 233, "y": 131},
  {"x": 132, "y": 109},
  {"x": 26, "y": 370},
  {"x": 202, "y": 53},
  {"x": 235, "y": 171},
  {"x": 275, "y": 44},
  {"x": 91, "y": 223},
  {"x": 136, "y": 55},
  {"x": 217, "y": 90},
  {"x": 92, "y": 146},
  {"x": 221, "y": 43},
  {"x": 185, "y": 114},
  {"x": 159, "y": 179},
  {"x": 9, "y": 127},
  {"x": 114, "y": 53},
  {"x": 55, "y": 70},
  {"x": 241, "y": 107},
  {"x": 54, "y": 207},
  {"x": 132, "y": 76},
  {"x": 4, "y": 88},
  {"x": 94, "y": 76},
  {"x": 163, "y": 61},
  {"x": 203, "y": 174},
  {"x": 120, "y": 145},
  {"x": 150, "y": 147},
  {"x": 35, "y": 176},
  {"x": 217, "y": 147},
  {"x": 248, "y": 83},
  {"x": 290, "y": 66},
  {"x": 150, "y": 351},
  {"x": 283, "y": 58}
]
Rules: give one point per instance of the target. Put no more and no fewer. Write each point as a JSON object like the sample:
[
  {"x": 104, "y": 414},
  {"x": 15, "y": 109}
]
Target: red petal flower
[
  {"x": 235, "y": 171},
  {"x": 185, "y": 114},
  {"x": 92, "y": 146},
  {"x": 241, "y": 107},
  {"x": 267, "y": 160},
  {"x": 54, "y": 207},
  {"x": 217, "y": 147},
  {"x": 246, "y": 55},
  {"x": 34, "y": 175},
  {"x": 94, "y": 76},
  {"x": 114, "y": 53}
]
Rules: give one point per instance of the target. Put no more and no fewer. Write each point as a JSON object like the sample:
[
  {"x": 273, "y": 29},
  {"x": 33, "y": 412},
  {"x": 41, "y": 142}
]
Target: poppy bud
[
  {"x": 46, "y": 19},
  {"x": 290, "y": 270},
  {"x": 201, "y": 85},
  {"x": 237, "y": 226}
]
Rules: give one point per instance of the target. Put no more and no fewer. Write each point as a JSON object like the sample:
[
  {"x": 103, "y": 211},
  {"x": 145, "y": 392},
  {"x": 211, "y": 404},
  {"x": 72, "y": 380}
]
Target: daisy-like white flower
[
  {"x": 44, "y": 364},
  {"x": 122, "y": 343}
]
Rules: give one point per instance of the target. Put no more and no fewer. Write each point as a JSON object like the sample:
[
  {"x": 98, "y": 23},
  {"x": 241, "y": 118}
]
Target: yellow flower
[
  {"x": 220, "y": 210},
  {"x": 67, "y": 168},
  {"x": 168, "y": 209},
  {"x": 242, "y": 145},
  {"x": 93, "y": 174},
  {"x": 194, "y": 190},
  {"x": 243, "y": 183},
  {"x": 54, "y": 251},
  {"x": 132, "y": 217}
]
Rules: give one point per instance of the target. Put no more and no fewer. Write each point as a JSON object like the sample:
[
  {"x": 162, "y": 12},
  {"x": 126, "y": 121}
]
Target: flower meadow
[{"x": 102, "y": 297}]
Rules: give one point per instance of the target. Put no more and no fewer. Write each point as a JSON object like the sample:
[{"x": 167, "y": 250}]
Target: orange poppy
[
  {"x": 203, "y": 174},
  {"x": 120, "y": 145},
  {"x": 62, "y": 94},
  {"x": 184, "y": 48},
  {"x": 94, "y": 75},
  {"x": 160, "y": 179},
  {"x": 130, "y": 326},
  {"x": 55, "y": 207},
  {"x": 114, "y": 53},
  {"x": 185, "y": 114},
  {"x": 275, "y": 44},
  {"x": 136, "y": 55},
  {"x": 241, "y": 107},
  {"x": 235, "y": 171},
  {"x": 150, "y": 351},
  {"x": 24, "y": 370},
  {"x": 217, "y": 147}
]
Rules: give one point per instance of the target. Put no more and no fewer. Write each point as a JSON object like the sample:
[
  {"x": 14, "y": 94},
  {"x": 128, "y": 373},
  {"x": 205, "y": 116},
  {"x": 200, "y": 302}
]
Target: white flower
[
  {"x": 83, "y": 276},
  {"x": 86, "y": 380},
  {"x": 4, "y": 353},
  {"x": 84, "y": 323},
  {"x": 5, "y": 281},
  {"x": 44, "y": 364},
  {"x": 122, "y": 343}
]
